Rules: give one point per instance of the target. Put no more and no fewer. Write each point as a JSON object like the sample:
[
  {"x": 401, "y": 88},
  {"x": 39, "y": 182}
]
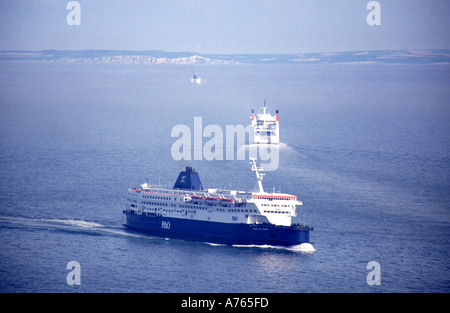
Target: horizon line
[{"x": 246, "y": 53}]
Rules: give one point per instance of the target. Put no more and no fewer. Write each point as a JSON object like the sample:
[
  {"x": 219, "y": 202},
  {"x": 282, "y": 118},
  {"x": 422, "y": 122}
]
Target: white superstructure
[{"x": 266, "y": 129}]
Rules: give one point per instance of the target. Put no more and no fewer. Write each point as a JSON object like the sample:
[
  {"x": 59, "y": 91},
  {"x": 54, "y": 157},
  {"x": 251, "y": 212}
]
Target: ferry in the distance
[
  {"x": 189, "y": 212},
  {"x": 196, "y": 80},
  {"x": 266, "y": 127}
]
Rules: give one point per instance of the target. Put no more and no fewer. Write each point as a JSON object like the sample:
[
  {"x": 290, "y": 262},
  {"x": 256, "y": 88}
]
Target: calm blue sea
[{"x": 366, "y": 147}]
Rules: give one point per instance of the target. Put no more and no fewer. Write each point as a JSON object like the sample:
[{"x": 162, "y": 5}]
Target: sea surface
[{"x": 366, "y": 147}]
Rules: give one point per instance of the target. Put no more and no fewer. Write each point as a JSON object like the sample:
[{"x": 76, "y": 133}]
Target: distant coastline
[{"x": 192, "y": 58}]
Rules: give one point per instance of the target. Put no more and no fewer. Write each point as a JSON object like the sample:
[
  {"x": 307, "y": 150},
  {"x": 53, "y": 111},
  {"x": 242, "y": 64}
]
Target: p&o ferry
[{"x": 189, "y": 212}]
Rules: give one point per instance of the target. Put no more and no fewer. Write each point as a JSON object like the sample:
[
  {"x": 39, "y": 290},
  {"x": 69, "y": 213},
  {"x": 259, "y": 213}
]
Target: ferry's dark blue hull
[{"x": 215, "y": 232}]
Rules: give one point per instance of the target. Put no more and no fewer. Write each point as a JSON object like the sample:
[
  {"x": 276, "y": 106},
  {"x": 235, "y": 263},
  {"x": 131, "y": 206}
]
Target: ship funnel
[{"x": 189, "y": 180}]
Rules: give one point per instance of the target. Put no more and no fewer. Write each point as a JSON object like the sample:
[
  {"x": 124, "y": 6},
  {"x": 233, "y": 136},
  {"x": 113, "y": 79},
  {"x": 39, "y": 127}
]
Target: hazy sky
[{"x": 225, "y": 26}]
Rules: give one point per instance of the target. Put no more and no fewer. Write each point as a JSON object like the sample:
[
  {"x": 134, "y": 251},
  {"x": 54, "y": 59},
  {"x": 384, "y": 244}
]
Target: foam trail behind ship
[
  {"x": 303, "y": 248},
  {"x": 71, "y": 224}
]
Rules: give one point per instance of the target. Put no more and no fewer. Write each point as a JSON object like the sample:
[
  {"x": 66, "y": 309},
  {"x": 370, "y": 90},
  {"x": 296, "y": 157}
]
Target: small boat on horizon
[{"x": 196, "y": 80}]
